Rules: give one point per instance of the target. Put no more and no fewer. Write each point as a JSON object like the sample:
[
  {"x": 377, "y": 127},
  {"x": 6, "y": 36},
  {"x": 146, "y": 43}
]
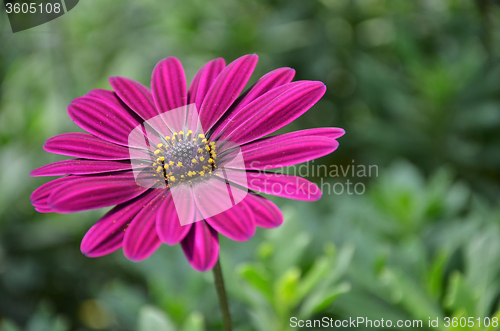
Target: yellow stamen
[
  {"x": 179, "y": 164},
  {"x": 159, "y": 145},
  {"x": 194, "y": 160},
  {"x": 202, "y": 158},
  {"x": 157, "y": 152}
]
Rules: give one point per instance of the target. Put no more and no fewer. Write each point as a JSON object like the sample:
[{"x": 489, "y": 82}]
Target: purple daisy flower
[{"x": 158, "y": 165}]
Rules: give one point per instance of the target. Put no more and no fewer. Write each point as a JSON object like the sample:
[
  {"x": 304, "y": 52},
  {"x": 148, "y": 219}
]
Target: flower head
[{"x": 182, "y": 165}]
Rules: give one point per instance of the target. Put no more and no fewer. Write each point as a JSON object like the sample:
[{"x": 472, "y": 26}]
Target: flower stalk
[{"x": 221, "y": 293}]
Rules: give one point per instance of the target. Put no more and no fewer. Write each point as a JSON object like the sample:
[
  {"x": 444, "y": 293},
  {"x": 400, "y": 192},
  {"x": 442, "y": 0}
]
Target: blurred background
[{"x": 416, "y": 86}]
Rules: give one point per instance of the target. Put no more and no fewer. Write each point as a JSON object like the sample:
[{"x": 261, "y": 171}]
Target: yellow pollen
[
  {"x": 167, "y": 138},
  {"x": 211, "y": 161},
  {"x": 159, "y": 145},
  {"x": 200, "y": 151},
  {"x": 157, "y": 152},
  {"x": 172, "y": 178},
  {"x": 154, "y": 164},
  {"x": 179, "y": 164},
  {"x": 166, "y": 166},
  {"x": 171, "y": 163},
  {"x": 214, "y": 155},
  {"x": 207, "y": 148},
  {"x": 182, "y": 176},
  {"x": 194, "y": 160},
  {"x": 181, "y": 133},
  {"x": 204, "y": 141},
  {"x": 162, "y": 159},
  {"x": 212, "y": 143},
  {"x": 202, "y": 173},
  {"x": 201, "y": 136},
  {"x": 158, "y": 169},
  {"x": 202, "y": 158}
]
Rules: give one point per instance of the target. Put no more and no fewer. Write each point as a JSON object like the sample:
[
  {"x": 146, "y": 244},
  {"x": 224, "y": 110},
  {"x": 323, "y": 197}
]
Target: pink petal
[
  {"x": 277, "y": 153},
  {"x": 140, "y": 239},
  {"x": 80, "y": 167},
  {"x": 90, "y": 192},
  {"x": 237, "y": 223},
  {"x": 168, "y": 226},
  {"x": 39, "y": 197},
  {"x": 135, "y": 95},
  {"x": 271, "y": 111},
  {"x": 203, "y": 80},
  {"x": 266, "y": 83},
  {"x": 106, "y": 236},
  {"x": 226, "y": 89},
  {"x": 86, "y": 146},
  {"x": 267, "y": 214},
  {"x": 168, "y": 84},
  {"x": 286, "y": 186},
  {"x": 104, "y": 119},
  {"x": 201, "y": 246}
]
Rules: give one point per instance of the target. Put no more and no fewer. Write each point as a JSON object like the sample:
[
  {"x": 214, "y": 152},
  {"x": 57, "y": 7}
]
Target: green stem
[{"x": 221, "y": 293}]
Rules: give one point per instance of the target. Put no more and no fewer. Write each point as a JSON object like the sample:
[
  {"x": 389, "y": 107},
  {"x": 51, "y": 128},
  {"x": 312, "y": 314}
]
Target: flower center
[{"x": 184, "y": 157}]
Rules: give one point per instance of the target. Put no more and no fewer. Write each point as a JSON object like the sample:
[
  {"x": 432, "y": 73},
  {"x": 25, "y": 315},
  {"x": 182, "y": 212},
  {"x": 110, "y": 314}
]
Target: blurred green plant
[{"x": 277, "y": 288}]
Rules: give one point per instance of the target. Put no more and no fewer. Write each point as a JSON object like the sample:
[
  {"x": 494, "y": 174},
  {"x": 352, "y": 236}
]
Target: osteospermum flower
[{"x": 183, "y": 165}]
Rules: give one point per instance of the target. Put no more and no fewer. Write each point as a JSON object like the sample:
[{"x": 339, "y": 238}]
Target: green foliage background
[{"x": 416, "y": 85}]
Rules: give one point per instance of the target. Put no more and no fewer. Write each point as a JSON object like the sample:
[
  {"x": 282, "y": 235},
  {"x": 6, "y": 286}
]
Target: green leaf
[
  {"x": 322, "y": 299},
  {"x": 257, "y": 278},
  {"x": 152, "y": 318},
  {"x": 194, "y": 322}
]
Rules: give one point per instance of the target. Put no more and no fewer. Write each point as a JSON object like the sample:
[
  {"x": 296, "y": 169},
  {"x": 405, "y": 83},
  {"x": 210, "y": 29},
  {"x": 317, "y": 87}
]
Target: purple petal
[
  {"x": 279, "y": 152},
  {"x": 168, "y": 84},
  {"x": 104, "y": 119},
  {"x": 266, "y": 83},
  {"x": 106, "y": 236},
  {"x": 226, "y": 89},
  {"x": 39, "y": 197},
  {"x": 90, "y": 192},
  {"x": 237, "y": 223},
  {"x": 168, "y": 226},
  {"x": 140, "y": 239},
  {"x": 271, "y": 111},
  {"x": 80, "y": 167},
  {"x": 86, "y": 146},
  {"x": 201, "y": 246},
  {"x": 286, "y": 186},
  {"x": 267, "y": 214},
  {"x": 203, "y": 80}
]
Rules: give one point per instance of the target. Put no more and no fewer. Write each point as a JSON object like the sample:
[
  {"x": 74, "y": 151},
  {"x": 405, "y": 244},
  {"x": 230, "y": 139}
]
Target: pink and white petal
[
  {"x": 168, "y": 84},
  {"x": 282, "y": 153},
  {"x": 104, "y": 119},
  {"x": 168, "y": 226},
  {"x": 226, "y": 89},
  {"x": 39, "y": 197},
  {"x": 267, "y": 214},
  {"x": 271, "y": 111},
  {"x": 91, "y": 192},
  {"x": 237, "y": 223},
  {"x": 86, "y": 146},
  {"x": 141, "y": 239},
  {"x": 80, "y": 167},
  {"x": 106, "y": 236},
  {"x": 266, "y": 83},
  {"x": 203, "y": 80},
  {"x": 201, "y": 246}
]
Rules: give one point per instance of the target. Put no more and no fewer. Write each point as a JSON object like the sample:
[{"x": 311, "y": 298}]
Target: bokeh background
[{"x": 415, "y": 84}]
